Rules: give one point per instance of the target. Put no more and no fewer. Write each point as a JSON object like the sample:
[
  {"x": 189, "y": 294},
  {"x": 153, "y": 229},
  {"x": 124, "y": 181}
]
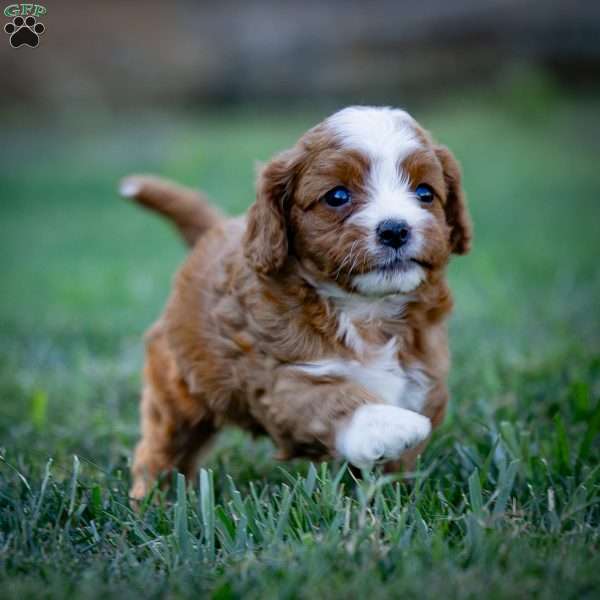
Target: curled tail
[{"x": 187, "y": 209}]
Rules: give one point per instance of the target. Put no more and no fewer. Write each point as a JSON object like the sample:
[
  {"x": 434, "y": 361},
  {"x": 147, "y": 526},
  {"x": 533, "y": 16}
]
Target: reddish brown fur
[{"x": 241, "y": 314}]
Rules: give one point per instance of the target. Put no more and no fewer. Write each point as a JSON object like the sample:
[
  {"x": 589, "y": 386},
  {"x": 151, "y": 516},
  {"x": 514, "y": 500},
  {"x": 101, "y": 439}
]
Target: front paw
[{"x": 380, "y": 432}]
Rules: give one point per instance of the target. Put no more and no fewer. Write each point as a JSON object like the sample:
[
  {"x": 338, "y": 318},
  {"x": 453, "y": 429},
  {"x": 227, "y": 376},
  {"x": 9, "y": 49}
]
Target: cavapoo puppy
[{"x": 319, "y": 317}]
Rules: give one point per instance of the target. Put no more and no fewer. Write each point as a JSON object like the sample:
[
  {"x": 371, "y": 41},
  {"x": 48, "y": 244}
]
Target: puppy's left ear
[
  {"x": 266, "y": 238},
  {"x": 457, "y": 214}
]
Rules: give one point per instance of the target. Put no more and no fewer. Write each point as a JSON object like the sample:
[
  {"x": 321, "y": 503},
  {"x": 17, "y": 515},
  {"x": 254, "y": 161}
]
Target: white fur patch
[
  {"x": 380, "y": 432},
  {"x": 376, "y": 369},
  {"x": 380, "y": 283},
  {"x": 381, "y": 374},
  {"x": 375, "y": 131},
  {"x": 348, "y": 334},
  {"x": 130, "y": 187},
  {"x": 363, "y": 308}
]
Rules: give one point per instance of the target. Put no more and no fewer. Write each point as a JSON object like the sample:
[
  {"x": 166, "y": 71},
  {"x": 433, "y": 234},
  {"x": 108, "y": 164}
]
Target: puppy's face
[{"x": 364, "y": 200}]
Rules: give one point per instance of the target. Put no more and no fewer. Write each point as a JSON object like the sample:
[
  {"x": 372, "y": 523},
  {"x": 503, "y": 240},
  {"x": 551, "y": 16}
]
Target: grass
[{"x": 506, "y": 501}]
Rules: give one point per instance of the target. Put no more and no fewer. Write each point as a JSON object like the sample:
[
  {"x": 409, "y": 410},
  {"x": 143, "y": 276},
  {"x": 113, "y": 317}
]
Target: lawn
[{"x": 506, "y": 500}]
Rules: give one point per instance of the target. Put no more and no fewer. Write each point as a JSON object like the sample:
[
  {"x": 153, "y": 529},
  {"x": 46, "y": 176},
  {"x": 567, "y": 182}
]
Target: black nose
[{"x": 393, "y": 233}]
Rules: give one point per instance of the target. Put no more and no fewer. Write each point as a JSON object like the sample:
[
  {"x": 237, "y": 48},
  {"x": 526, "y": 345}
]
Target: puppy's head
[{"x": 365, "y": 200}]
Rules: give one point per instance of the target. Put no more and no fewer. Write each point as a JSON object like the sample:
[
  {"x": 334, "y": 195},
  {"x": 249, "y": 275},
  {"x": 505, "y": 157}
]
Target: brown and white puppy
[{"x": 319, "y": 318}]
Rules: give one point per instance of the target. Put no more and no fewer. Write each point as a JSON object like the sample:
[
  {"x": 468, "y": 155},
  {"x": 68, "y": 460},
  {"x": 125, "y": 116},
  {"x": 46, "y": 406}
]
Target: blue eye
[
  {"x": 336, "y": 197},
  {"x": 424, "y": 193}
]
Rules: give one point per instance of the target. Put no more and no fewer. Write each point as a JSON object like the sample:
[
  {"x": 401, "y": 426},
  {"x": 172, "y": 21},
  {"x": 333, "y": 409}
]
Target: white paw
[{"x": 380, "y": 432}]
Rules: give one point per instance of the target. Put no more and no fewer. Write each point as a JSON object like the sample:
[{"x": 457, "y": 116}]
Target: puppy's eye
[
  {"x": 337, "y": 197},
  {"x": 425, "y": 193}
]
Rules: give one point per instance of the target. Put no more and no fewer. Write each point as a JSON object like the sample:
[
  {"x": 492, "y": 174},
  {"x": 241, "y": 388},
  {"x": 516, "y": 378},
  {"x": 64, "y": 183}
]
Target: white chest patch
[
  {"x": 379, "y": 372},
  {"x": 376, "y": 368}
]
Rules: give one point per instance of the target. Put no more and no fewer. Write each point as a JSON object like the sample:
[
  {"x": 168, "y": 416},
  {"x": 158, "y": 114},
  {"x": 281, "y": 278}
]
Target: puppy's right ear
[{"x": 266, "y": 238}]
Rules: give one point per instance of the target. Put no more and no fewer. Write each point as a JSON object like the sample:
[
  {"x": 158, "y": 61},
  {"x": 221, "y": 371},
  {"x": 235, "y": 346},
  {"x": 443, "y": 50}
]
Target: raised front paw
[{"x": 379, "y": 432}]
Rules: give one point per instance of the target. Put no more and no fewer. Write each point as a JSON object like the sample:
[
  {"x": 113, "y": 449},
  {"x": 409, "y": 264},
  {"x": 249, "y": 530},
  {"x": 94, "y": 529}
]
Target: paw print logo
[{"x": 24, "y": 31}]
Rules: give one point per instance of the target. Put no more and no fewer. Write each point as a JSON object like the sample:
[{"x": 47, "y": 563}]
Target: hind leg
[
  {"x": 168, "y": 443},
  {"x": 176, "y": 426}
]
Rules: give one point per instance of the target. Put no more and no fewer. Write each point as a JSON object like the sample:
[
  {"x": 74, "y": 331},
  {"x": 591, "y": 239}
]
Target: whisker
[{"x": 346, "y": 260}]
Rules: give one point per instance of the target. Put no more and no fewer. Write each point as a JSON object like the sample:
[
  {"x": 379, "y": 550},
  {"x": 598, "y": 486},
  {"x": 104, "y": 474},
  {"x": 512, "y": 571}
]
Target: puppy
[{"x": 319, "y": 317}]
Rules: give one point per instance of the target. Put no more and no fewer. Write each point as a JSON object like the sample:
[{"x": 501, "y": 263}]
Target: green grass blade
[{"x": 207, "y": 511}]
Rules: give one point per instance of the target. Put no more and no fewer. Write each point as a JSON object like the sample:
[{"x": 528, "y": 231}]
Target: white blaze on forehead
[{"x": 378, "y": 132}]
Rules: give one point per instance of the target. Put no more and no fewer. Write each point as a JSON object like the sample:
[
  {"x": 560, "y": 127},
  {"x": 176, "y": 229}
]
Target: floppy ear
[
  {"x": 457, "y": 214},
  {"x": 266, "y": 238}
]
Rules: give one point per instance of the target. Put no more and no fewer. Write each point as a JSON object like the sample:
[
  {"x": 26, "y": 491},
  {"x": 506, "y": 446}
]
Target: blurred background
[
  {"x": 118, "y": 54},
  {"x": 199, "y": 91}
]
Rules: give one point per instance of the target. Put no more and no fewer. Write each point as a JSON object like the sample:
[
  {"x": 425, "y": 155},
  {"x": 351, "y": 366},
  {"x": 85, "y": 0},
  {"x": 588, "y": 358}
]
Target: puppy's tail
[{"x": 187, "y": 209}]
